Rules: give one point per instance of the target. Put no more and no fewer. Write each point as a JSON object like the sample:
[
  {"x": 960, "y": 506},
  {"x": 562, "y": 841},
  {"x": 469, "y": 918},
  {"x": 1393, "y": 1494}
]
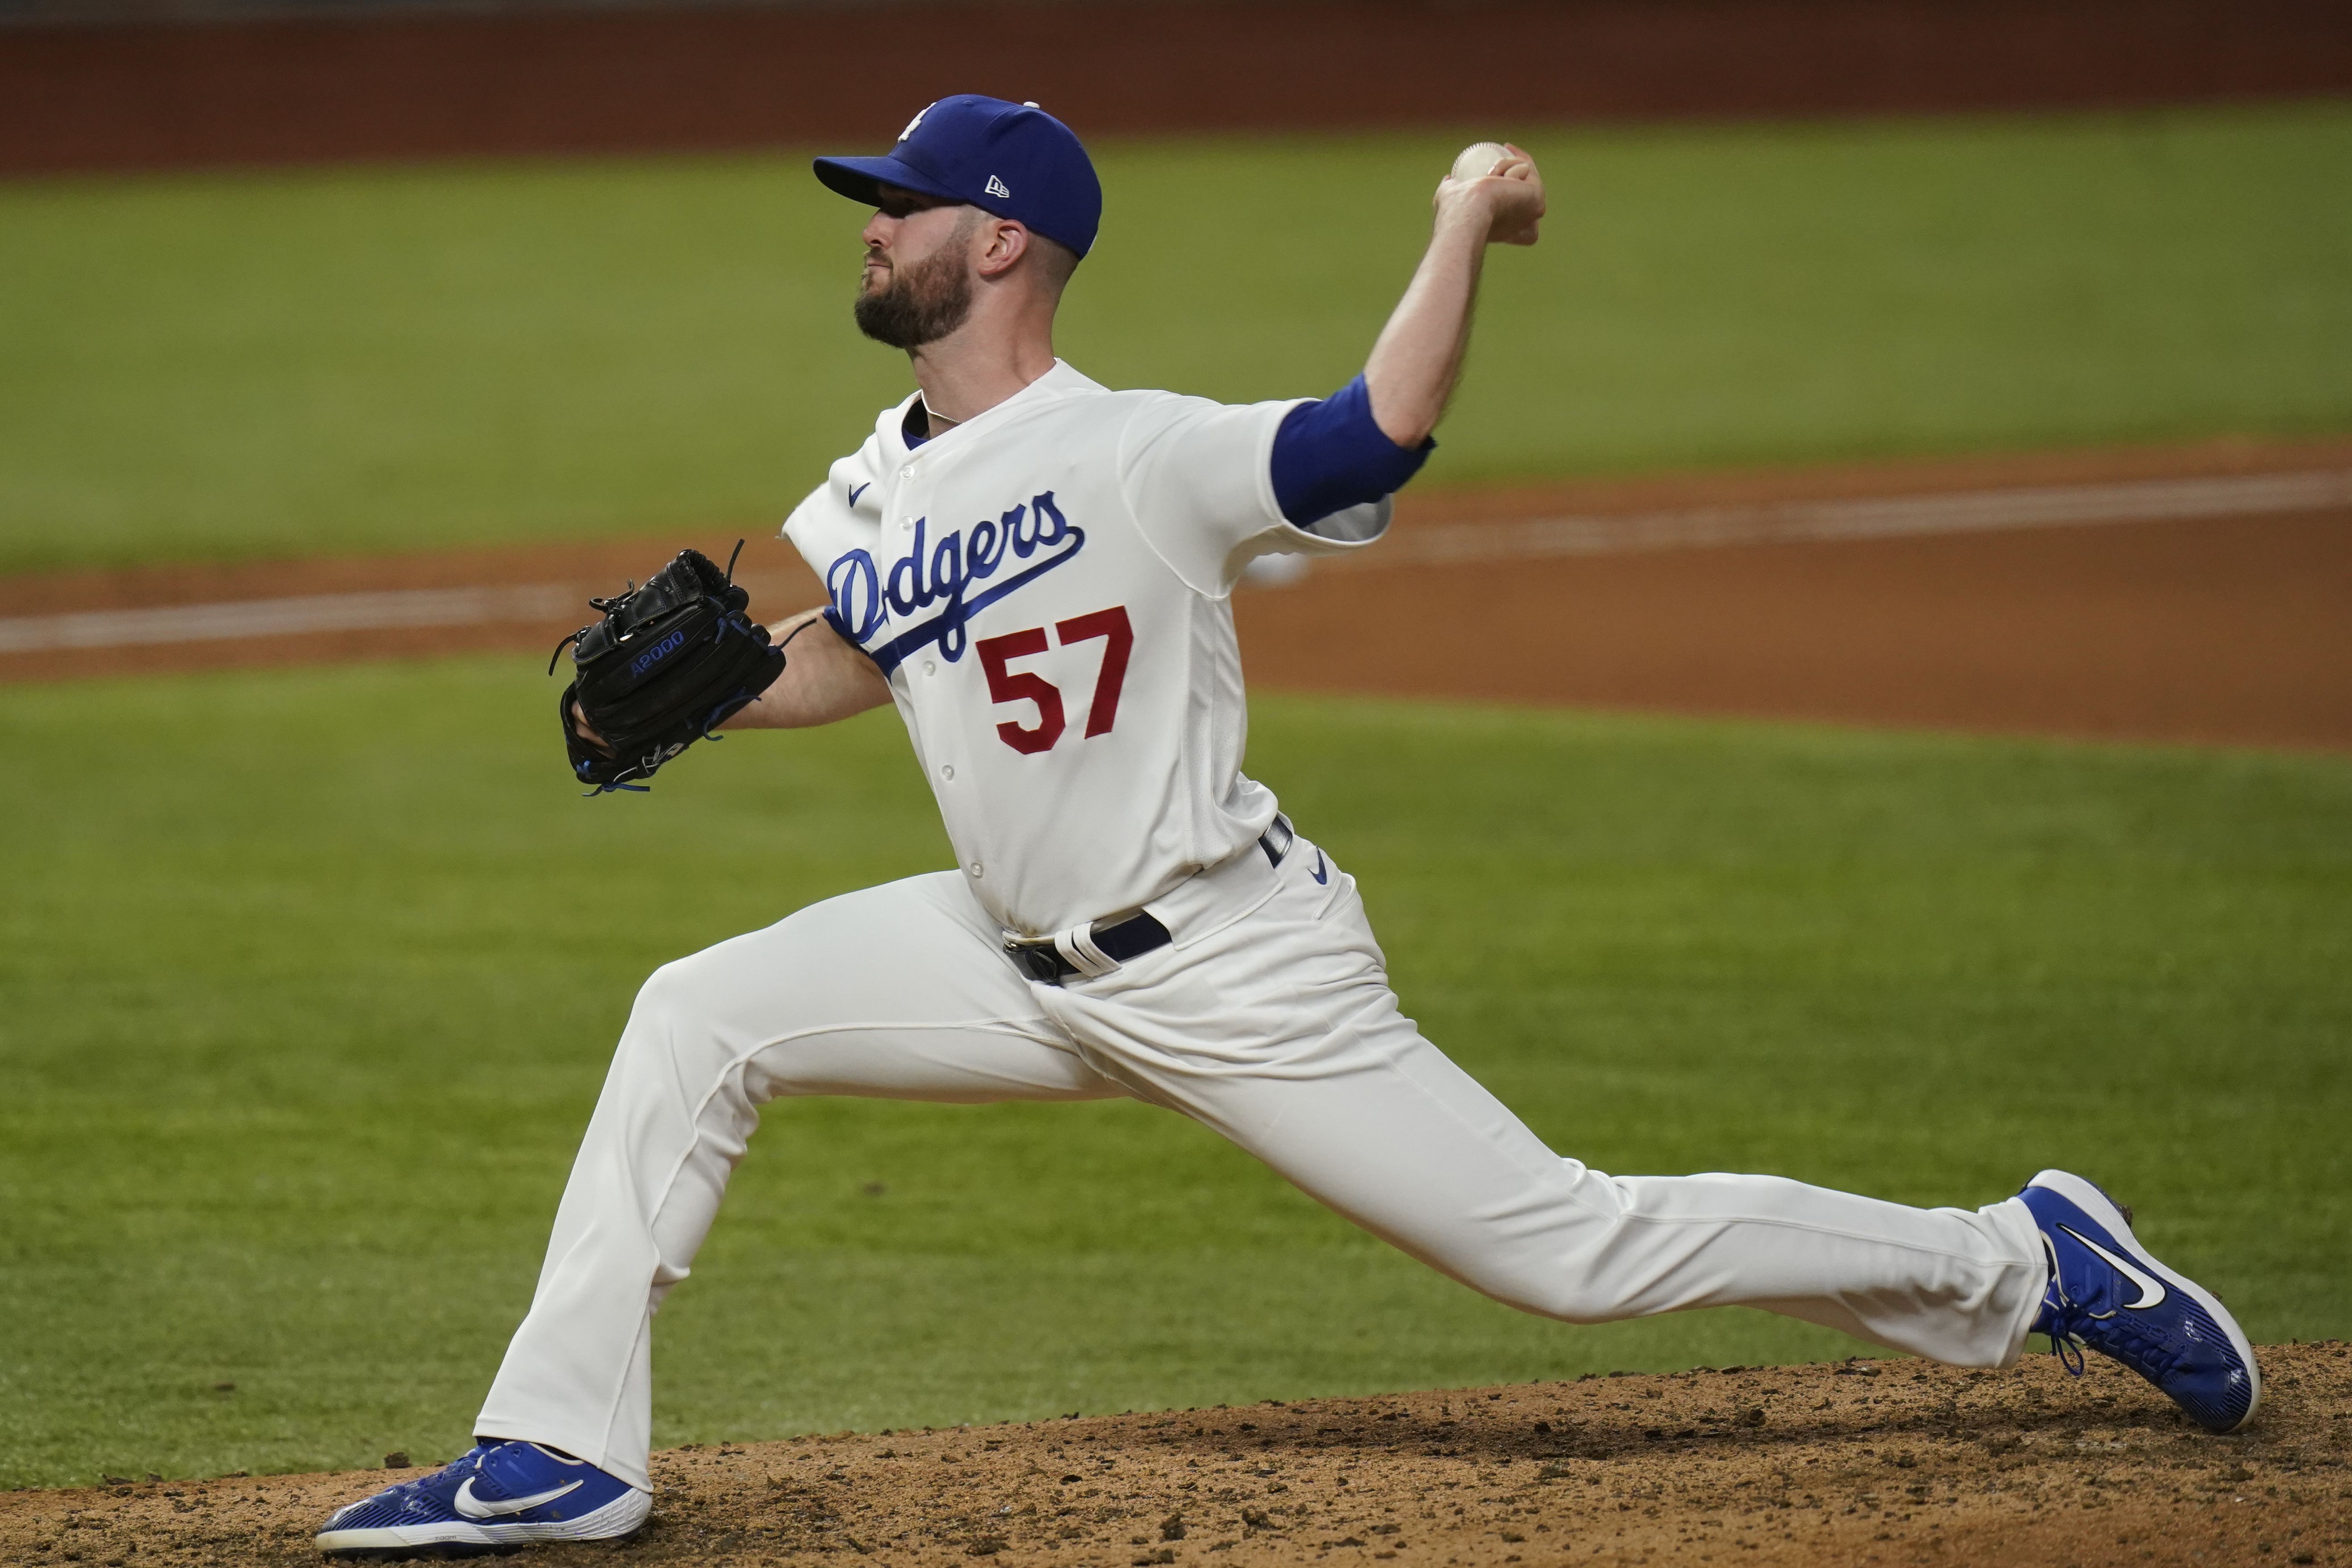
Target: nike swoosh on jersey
[
  {"x": 859, "y": 492},
  {"x": 2151, "y": 1289},
  {"x": 473, "y": 1507},
  {"x": 1321, "y": 873}
]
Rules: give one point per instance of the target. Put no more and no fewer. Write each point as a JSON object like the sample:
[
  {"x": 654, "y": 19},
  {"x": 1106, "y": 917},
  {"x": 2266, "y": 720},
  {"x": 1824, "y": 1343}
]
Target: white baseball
[{"x": 1478, "y": 160}]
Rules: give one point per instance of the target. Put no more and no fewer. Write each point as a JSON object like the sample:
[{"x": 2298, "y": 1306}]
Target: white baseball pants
[{"x": 1269, "y": 1019}]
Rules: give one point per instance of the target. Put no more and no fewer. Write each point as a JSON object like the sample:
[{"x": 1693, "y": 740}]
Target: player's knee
[
  {"x": 712, "y": 1006},
  {"x": 1575, "y": 1301},
  {"x": 1568, "y": 1300},
  {"x": 721, "y": 1006},
  {"x": 667, "y": 994},
  {"x": 670, "y": 1018},
  {"x": 747, "y": 978},
  {"x": 1550, "y": 1287}
]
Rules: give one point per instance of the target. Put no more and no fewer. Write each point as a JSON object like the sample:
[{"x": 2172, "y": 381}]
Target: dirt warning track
[
  {"x": 142, "y": 84},
  {"x": 1863, "y": 1462}
]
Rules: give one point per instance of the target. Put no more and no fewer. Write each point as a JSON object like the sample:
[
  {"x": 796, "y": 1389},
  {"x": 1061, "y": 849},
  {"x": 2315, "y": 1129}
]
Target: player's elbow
[
  {"x": 1337, "y": 453},
  {"x": 1408, "y": 423}
]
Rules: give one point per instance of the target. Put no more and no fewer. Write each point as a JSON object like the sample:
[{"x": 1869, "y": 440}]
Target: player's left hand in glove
[{"x": 668, "y": 664}]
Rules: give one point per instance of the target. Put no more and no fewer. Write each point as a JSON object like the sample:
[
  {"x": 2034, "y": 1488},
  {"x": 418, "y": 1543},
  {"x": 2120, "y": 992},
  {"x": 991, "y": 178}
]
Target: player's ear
[{"x": 1006, "y": 244}]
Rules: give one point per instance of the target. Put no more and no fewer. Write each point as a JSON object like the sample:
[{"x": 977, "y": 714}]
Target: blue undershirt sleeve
[{"x": 1332, "y": 454}]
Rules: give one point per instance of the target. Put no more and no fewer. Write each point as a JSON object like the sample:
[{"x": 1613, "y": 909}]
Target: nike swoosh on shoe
[
  {"x": 2152, "y": 1290},
  {"x": 472, "y": 1507}
]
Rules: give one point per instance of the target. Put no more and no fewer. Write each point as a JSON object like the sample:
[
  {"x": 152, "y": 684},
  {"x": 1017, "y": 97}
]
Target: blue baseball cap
[{"x": 1010, "y": 159}]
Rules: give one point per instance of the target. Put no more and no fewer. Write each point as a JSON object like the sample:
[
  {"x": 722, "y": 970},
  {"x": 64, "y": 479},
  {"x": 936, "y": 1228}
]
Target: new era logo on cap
[{"x": 980, "y": 152}]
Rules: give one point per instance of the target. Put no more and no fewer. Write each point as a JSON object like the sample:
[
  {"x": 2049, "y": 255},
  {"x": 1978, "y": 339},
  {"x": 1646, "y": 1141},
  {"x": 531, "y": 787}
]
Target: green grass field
[
  {"x": 310, "y": 977},
  {"x": 290, "y": 363}
]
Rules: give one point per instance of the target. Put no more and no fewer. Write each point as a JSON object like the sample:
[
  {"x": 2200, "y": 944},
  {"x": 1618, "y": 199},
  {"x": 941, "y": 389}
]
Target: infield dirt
[
  {"x": 2215, "y": 629},
  {"x": 1858, "y": 1462}
]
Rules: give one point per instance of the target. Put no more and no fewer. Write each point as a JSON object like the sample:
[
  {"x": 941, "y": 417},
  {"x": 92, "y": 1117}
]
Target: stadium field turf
[
  {"x": 350, "y": 361},
  {"x": 311, "y": 975}
]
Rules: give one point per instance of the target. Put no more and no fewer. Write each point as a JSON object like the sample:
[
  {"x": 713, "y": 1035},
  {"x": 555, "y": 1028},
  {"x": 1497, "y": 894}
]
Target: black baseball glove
[{"x": 667, "y": 664}]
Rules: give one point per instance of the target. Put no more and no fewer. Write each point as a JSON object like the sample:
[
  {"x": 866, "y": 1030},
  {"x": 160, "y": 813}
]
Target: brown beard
[{"x": 922, "y": 303}]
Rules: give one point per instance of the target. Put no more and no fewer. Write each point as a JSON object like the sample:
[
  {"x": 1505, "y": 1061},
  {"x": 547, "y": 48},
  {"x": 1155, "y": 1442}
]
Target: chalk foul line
[
  {"x": 392, "y": 609},
  {"x": 310, "y": 613},
  {"x": 1970, "y": 512},
  {"x": 1967, "y": 512}
]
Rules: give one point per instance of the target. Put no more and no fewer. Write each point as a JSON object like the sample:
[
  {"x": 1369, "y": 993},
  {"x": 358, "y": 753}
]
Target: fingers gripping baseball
[{"x": 1499, "y": 179}]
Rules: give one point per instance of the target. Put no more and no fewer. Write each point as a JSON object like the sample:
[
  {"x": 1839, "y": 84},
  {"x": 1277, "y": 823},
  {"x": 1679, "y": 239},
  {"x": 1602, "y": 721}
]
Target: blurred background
[{"x": 1879, "y": 617}]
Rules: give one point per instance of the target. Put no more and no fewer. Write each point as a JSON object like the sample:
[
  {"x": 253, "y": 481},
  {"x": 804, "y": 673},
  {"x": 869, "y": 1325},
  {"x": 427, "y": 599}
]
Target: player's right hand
[{"x": 1511, "y": 197}]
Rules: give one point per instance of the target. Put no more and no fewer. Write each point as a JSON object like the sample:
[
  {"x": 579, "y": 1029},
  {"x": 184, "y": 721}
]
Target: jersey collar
[{"x": 901, "y": 429}]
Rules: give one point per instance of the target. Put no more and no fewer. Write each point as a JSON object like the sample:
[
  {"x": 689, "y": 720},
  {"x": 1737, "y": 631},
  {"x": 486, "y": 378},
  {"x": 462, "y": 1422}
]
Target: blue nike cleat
[
  {"x": 501, "y": 1496},
  {"x": 2108, "y": 1295}
]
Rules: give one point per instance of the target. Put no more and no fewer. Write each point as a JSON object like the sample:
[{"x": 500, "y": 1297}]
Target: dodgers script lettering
[{"x": 943, "y": 572}]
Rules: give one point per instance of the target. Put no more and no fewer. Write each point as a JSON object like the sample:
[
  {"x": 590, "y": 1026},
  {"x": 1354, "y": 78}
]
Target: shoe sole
[
  {"x": 436, "y": 1551},
  {"x": 2093, "y": 1201},
  {"x": 624, "y": 1516}
]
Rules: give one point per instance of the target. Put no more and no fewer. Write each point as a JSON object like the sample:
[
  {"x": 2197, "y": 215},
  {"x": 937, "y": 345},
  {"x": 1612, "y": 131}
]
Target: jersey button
[
  {"x": 946, "y": 770},
  {"x": 975, "y": 870},
  {"x": 930, "y": 666}
]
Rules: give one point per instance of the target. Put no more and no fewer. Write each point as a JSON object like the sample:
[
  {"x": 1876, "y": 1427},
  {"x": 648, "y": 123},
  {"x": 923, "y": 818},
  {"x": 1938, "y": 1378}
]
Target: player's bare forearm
[
  {"x": 825, "y": 679},
  {"x": 1414, "y": 364},
  {"x": 1418, "y": 358}
]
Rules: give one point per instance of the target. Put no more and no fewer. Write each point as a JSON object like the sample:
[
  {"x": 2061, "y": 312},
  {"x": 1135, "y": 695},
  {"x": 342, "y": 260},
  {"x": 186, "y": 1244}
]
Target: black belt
[{"x": 1120, "y": 940}]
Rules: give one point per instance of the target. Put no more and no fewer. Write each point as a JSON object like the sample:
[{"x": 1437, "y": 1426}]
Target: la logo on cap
[{"x": 1018, "y": 162}]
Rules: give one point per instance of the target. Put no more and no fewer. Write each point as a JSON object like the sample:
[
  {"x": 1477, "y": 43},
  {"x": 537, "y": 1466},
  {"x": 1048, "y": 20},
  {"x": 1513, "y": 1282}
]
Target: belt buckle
[
  {"x": 1037, "y": 960},
  {"x": 1053, "y": 960}
]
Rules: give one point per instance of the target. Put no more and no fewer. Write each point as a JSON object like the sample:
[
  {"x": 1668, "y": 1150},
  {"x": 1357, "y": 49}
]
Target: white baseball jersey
[{"x": 1046, "y": 587}]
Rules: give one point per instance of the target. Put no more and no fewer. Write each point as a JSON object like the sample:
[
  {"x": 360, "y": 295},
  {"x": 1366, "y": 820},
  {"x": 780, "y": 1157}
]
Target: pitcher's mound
[{"x": 1892, "y": 1462}]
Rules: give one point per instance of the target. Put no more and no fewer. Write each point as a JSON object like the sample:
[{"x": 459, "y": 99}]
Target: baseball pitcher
[{"x": 1037, "y": 571}]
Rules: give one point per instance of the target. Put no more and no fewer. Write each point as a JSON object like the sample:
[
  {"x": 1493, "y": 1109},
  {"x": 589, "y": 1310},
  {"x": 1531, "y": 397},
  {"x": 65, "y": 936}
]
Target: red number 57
[{"x": 1008, "y": 685}]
